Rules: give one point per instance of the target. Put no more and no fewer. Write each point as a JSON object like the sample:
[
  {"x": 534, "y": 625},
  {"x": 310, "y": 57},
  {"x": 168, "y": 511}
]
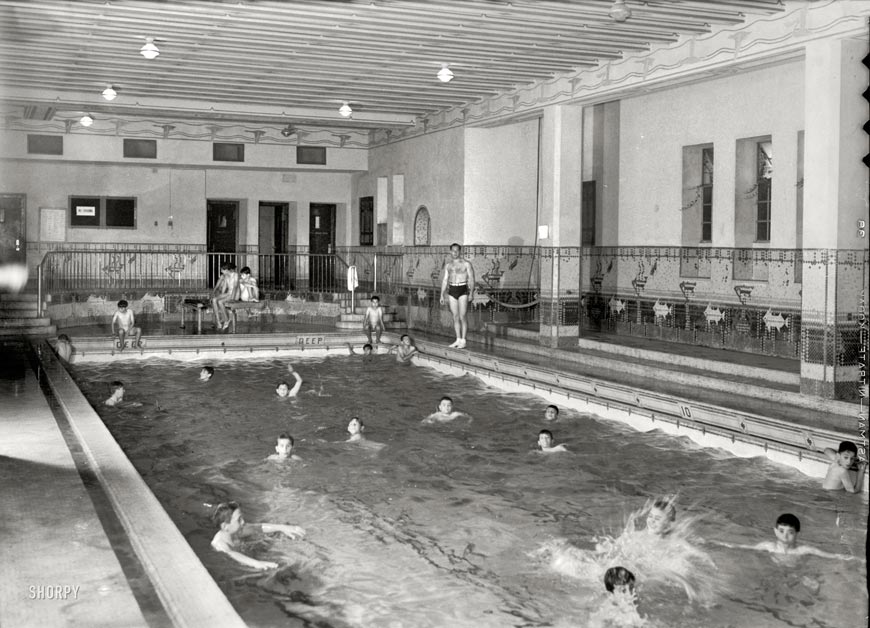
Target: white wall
[
  {"x": 432, "y": 165},
  {"x": 501, "y": 166},
  {"x": 654, "y": 128}
]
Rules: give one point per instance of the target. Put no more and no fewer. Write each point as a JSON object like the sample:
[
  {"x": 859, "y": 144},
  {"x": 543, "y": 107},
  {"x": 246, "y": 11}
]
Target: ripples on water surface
[{"x": 454, "y": 525}]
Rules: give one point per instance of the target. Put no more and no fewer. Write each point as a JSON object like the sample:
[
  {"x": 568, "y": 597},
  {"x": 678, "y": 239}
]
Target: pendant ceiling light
[
  {"x": 149, "y": 50},
  {"x": 345, "y": 110},
  {"x": 444, "y": 74},
  {"x": 109, "y": 93},
  {"x": 86, "y": 120}
]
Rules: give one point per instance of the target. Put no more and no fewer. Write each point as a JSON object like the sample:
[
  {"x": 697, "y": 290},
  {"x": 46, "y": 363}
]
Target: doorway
[
  {"x": 321, "y": 246},
  {"x": 12, "y": 244},
  {"x": 221, "y": 239},
  {"x": 274, "y": 271}
]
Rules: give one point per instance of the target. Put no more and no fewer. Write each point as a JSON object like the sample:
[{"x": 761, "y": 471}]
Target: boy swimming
[
  {"x": 444, "y": 413},
  {"x": 232, "y": 528},
  {"x": 206, "y": 373},
  {"x": 283, "y": 388},
  {"x": 283, "y": 449},
  {"x": 545, "y": 442},
  {"x": 785, "y": 541},
  {"x": 551, "y": 413}
]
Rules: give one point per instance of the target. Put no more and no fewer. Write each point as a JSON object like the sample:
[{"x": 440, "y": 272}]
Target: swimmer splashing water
[{"x": 663, "y": 551}]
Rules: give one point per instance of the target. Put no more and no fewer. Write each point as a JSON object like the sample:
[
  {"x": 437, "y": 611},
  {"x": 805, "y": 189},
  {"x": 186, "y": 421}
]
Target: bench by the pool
[{"x": 204, "y": 305}]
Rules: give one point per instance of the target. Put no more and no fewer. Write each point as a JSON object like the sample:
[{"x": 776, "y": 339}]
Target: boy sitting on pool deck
[
  {"x": 283, "y": 389},
  {"x": 126, "y": 325},
  {"x": 845, "y": 472},
  {"x": 373, "y": 319},
  {"x": 228, "y": 516},
  {"x": 283, "y": 448},
  {"x": 248, "y": 290},
  {"x": 545, "y": 442},
  {"x": 786, "y": 531}
]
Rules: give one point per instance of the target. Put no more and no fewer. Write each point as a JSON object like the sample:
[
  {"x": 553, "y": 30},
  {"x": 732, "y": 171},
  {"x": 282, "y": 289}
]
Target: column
[
  {"x": 561, "y": 184},
  {"x": 834, "y": 270}
]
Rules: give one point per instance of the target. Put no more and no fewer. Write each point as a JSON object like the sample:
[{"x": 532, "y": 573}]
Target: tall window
[
  {"x": 764, "y": 173},
  {"x": 367, "y": 220},
  {"x": 422, "y": 227},
  {"x": 707, "y": 194}
]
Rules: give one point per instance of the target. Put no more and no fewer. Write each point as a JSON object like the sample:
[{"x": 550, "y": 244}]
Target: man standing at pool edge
[{"x": 458, "y": 285}]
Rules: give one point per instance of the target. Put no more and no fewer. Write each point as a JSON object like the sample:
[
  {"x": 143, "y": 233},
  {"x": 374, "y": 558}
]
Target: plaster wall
[
  {"x": 501, "y": 168},
  {"x": 181, "y": 192},
  {"x": 432, "y": 165},
  {"x": 654, "y": 129}
]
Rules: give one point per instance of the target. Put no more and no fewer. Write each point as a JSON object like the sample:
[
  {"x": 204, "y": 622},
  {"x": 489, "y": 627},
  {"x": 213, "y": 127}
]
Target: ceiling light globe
[
  {"x": 345, "y": 110},
  {"x": 109, "y": 93},
  {"x": 149, "y": 50},
  {"x": 444, "y": 74},
  {"x": 86, "y": 120}
]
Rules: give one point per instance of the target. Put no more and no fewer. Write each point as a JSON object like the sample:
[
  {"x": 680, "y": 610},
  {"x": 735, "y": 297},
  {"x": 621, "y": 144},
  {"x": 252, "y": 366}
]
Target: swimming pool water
[{"x": 445, "y": 525}]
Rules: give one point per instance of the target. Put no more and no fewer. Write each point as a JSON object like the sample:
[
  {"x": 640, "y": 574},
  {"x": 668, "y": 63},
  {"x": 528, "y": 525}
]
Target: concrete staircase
[
  {"x": 352, "y": 319},
  {"x": 18, "y": 316}
]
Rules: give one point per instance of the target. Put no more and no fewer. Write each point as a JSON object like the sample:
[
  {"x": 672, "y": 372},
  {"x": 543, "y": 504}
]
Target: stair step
[
  {"x": 18, "y": 306},
  {"x": 46, "y": 330},
  {"x": 30, "y": 297},
  {"x": 358, "y": 318},
  {"x": 21, "y": 321},
  {"x": 355, "y": 325}
]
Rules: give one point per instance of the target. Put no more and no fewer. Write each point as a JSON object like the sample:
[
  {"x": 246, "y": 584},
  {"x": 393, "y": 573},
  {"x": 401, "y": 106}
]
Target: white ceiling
[{"x": 265, "y": 61}]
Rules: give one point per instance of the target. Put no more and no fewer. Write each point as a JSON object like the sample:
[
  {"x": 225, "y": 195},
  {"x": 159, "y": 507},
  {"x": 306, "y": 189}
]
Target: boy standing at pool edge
[{"x": 373, "y": 319}]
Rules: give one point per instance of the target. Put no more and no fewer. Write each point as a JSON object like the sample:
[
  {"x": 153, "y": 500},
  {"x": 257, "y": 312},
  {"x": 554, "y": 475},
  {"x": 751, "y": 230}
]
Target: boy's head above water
[
  {"x": 283, "y": 389},
  {"x": 228, "y": 516},
  {"x": 355, "y": 426},
  {"x": 619, "y": 580},
  {"x": 846, "y": 454},
  {"x": 787, "y": 528},
  {"x": 445, "y": 405},
  {"x": 367, "y": 349},
  {"x": 661, "y": 515},
  {"x": 551, "y": 413},
  {"x": 545, "y": 439},
  {"x": 284, "y": 445},
  {"x": 206, "y": 373}
]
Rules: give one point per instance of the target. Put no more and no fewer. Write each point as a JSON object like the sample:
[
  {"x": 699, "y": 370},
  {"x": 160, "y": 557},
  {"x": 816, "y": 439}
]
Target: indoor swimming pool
[{"x": 465, "y": 523}]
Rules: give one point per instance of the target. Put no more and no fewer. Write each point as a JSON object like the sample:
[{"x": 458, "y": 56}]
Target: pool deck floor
[{"x": 61, "y": 567}]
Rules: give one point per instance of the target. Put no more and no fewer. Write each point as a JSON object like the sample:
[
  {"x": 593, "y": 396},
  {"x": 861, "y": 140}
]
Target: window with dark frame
[
  {"x": 706, "y": 195},
  {"x": 764, "y": 173},
  {"x": 228, "y": 151},
  {"x": 102, "y": 212},
  {"x": 140, "y": 149},
  {"x": 311, "y": 155},
  {"x": 367, "y": 221},
  {"x": 44, "y": 144}
]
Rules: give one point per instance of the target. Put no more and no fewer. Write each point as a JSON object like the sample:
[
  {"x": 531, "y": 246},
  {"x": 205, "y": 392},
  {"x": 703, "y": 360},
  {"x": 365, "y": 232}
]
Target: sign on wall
[{"x": 52, "y": 224}]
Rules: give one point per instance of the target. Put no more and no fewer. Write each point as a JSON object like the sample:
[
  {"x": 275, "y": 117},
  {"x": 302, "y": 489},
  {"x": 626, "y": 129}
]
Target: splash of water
[{"x": 672, "y": 559}]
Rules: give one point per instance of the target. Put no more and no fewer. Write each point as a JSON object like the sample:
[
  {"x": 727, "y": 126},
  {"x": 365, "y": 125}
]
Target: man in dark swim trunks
[{"x": 458, "y": 286}]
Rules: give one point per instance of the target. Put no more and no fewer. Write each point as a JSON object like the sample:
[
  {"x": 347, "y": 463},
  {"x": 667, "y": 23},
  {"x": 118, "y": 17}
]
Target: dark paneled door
[
  {"x": 321, "y": 244},
  {"x": 221, "y": 237},
  {"x": 12, "y": 244},
  {"x": 274, "y": 268}
]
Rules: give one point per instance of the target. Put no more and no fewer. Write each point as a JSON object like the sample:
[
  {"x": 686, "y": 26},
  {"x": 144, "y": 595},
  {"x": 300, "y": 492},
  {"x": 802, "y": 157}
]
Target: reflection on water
[{"x": 446, "y": 524}]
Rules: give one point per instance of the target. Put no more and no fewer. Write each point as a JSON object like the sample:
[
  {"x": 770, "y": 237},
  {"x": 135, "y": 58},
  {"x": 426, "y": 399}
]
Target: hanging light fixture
[
  {"x": 109, "y": 93},
  {"x": 86, "y": 120},
  {"x": 345, "y": 110},
  {"x": 149, "y": 50},
  {"x": 619, "y": 12},
  {"x": 444, "y": 74}
]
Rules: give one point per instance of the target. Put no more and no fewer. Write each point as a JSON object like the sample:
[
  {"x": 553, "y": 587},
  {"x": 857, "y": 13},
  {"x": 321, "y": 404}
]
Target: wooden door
[
  {"x": 221, "y": 236},
  {"x": 321, "y": 245}
]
